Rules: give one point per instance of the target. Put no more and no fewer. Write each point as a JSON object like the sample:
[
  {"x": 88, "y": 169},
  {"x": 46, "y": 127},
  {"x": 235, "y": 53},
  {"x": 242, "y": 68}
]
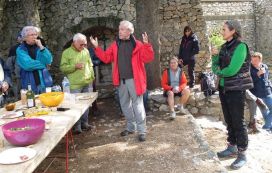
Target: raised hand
[
  {"x": 94, "y": 41},
  {"x": 145, "y": 37}
]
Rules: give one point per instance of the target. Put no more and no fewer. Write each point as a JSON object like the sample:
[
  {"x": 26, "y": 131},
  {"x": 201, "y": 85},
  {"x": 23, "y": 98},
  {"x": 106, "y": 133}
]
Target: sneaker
[
  {"x": 86, "y": 126},
  {"x": 77, "y": 130},
  {"x": 240, "y": 161},
  {"x": 141, "y": 137},
  {"x": 230, "y": 151},
  {"x": 126, "y": 133},
  {"x": 172, "y": 115}
]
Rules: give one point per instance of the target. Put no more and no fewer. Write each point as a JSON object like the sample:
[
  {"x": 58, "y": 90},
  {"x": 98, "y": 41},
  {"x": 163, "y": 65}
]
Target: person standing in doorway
[{"x": 129, "y": 56}]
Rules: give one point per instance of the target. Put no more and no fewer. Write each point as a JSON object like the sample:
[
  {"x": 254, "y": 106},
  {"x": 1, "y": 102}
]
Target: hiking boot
[
  {"x": 240, "y": 161},
  {"x": 126, "y": 133},
  {"x": 141, "y": 137},
  {"x": 172, "y": 115},
  {"x": 230, "y": 151},
  {"x": 261, "y": 104},
  {"x": 86, "y": 126}
]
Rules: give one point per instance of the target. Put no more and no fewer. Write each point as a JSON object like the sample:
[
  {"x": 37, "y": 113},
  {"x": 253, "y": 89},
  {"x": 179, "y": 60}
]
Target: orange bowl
[{"x": 51, "y": 99}]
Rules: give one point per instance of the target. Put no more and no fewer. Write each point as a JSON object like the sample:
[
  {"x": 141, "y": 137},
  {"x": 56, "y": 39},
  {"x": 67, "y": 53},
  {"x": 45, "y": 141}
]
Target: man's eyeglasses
[
  {"x": 83, "y": 45},
  {"x": 32, "y": 34}
]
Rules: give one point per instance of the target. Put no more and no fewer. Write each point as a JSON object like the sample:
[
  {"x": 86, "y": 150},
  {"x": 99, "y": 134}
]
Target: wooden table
[{"x": 61, "y": 123}]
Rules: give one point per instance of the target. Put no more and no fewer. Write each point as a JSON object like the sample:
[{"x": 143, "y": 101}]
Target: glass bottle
[{"x": 30, "y": 96}]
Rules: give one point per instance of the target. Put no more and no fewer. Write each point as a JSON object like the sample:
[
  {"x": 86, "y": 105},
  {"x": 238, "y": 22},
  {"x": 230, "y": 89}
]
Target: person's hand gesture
[
  {"x": 39, "y": 43},
  {"x": 214, "y": 51},
  {"x": 145, "y": 37},
  {"x": 94, "y": 41}
]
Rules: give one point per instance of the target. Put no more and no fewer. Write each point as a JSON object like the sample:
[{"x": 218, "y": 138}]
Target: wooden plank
[{"x": 61, "y": 123}]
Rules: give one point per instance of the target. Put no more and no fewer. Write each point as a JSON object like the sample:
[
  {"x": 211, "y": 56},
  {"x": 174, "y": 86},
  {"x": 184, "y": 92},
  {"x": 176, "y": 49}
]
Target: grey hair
[
  {"x": 26, "y": 29},
  {"x": 38, "y": 29},
  {"x": 128, "y": 25},
  {"x": 174, "y": 58},
  {"x": 79, "y": 36}
]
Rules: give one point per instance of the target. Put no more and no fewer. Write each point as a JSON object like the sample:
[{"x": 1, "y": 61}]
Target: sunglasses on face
[{"x": 83, "y": 45}]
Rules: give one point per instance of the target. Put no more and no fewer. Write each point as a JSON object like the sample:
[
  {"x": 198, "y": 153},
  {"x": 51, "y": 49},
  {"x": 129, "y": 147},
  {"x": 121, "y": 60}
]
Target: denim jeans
[
  {"x": 84, "y": 118},
  {"x": 267, "y": 114},
  {"x": 233, "y": 109}
]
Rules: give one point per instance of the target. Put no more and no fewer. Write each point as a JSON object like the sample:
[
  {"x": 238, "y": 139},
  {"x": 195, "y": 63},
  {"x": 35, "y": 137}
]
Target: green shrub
[{"x": 216, "y": 38}]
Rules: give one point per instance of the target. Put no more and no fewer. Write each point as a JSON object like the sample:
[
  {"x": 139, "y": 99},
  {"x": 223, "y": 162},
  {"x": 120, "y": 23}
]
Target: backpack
[{"x": 207, "y": 82}]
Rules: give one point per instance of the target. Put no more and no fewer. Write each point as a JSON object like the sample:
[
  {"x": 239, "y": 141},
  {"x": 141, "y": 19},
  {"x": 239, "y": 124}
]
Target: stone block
[{"x": 164, "y": 108}]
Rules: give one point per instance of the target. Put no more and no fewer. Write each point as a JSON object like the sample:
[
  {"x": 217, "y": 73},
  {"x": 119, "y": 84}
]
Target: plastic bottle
[{"x": 66, "y": 85}]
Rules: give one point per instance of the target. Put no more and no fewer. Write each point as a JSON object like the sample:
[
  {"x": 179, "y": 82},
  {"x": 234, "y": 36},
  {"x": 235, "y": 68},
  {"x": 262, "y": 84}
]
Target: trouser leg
[
  {"x": 137, "y": 106},
  {"x": 126, "y": 105}
]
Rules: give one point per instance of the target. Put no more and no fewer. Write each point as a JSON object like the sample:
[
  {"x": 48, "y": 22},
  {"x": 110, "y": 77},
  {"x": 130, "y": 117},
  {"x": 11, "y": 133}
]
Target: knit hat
[{"x": 234, "y": 24}]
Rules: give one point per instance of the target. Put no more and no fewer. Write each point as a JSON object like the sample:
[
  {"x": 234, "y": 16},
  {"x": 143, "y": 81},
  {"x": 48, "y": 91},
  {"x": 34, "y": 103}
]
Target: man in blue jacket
[{"x": 262, "y": 87}]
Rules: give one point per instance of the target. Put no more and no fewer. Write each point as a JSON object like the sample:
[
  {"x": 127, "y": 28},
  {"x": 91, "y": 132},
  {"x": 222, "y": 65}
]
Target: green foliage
[{"x": 216, "y": 38}]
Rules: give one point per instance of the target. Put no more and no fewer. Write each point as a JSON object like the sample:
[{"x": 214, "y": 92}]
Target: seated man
[
  {"x": 174, "y": 84},
  {"x": 262, "y": 87}
]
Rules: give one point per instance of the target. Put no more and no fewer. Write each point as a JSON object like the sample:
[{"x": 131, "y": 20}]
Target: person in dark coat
[{"x": 189, "y": 47}]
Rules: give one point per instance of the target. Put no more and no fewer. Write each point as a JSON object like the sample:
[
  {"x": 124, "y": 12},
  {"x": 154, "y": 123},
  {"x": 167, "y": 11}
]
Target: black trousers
[
  {"x": 191, "y": 71},
  {"x": 233, "y": 109}
]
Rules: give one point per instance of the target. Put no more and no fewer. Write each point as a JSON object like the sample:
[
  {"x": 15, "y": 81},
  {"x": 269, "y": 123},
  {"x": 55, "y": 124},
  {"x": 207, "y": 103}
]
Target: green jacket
[
  {"x": 77, "y": 78},
  {"x": 237, "y": 60}
]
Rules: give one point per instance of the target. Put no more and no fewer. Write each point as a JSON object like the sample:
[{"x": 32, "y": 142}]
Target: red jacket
[
  {"x": 142, "y": 53},
  {"x": 167, "y": 87}
]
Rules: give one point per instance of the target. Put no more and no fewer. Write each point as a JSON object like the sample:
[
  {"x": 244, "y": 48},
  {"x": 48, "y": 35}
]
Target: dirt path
[
  {"x": 259, "y": 150},
  {"x": 171, "y": 146}
]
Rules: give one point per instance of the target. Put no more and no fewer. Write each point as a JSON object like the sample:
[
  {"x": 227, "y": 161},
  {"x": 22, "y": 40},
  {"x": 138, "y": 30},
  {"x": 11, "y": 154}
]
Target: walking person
[
  {"x": 129, "y": 56},
  {"x": 232, "y": 65},
  {"x": 189, "y": 47}
]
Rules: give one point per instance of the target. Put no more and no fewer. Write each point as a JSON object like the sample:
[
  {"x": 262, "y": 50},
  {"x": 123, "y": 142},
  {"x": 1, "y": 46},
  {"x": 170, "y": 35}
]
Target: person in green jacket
[
  {"x": 232, "y": 64},
  {"x": 77, "y": 65}
]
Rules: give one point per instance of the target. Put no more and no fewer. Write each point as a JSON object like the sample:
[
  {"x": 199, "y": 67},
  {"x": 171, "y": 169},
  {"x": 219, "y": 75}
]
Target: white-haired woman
[{"x": 33, "y": 58}]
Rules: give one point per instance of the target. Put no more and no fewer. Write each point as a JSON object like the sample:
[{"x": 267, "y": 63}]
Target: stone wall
[
  {"x": 216, "y": 12},
  {"x": 263, "y": 13},
  {"x": 174, "y": 16}
]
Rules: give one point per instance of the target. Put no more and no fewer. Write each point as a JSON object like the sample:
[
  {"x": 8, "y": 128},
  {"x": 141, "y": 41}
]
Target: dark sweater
[{"x": 124, "y": 59}]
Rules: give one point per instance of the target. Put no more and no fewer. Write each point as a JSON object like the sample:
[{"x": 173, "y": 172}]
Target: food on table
[
  {"x": 36, "y": 111},
  {"x": 10, "y": 106},
  {"x": 20, "y": 128}
]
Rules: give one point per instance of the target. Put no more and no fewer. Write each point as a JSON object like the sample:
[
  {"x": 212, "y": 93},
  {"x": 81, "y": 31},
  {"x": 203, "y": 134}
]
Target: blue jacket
[
  {"x": 28, "y": 65},
  {"x": 262, "y": 84}
]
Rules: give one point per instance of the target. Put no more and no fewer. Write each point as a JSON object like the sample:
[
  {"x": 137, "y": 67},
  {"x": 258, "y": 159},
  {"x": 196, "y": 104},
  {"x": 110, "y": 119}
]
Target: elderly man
[
  {"x": 128, "y": 56},
  {"x": 262, "y": 87},
  {"x": 33, "y": 59},
  {"x": 174, "y": 84},
  {"x": 77, "y": 65}
]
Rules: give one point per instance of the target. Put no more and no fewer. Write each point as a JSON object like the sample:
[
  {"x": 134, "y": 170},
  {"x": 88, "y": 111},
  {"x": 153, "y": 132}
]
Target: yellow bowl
[{"x": 51, "y": 99}]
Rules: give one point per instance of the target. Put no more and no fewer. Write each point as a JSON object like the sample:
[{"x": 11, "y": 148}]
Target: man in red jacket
[
  {"x": 174, "y": 84},
  {"x": 128, "y": 56}
]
